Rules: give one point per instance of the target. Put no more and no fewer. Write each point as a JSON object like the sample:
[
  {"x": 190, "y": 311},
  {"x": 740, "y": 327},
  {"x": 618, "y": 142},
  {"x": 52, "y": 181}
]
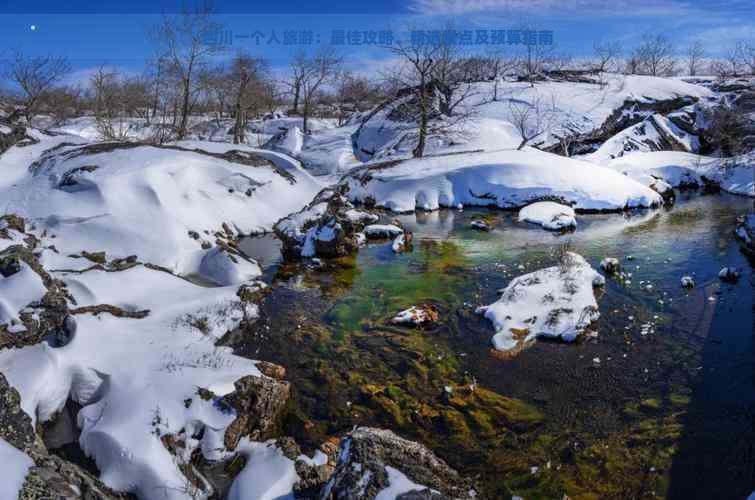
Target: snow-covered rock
[
  {"x": 687, "y": 282},
  {"x": 684, "y": 170},
  {"x": 382, "y": 231},
  {"x": 220, "y": 266},
  {"x": 141, "y": 344},
  {"x": 480, "y": 225},
  {"x": 400, "y": 242},
  {"x": 610, "y": 265},
  {"x": 555, "y": 302},
  {"x": 19, "y": 290},
  {"x": 745, "y": 230},
  {"x": 504, "y": 179},
  {"x": 728, "y": 274},
  {"x": 376, "y": 464},
  {"x": 417, "y": 315},
  {"x": 549, "y": 215},
  {"x": 328, "y": 227},
  {"x": 16, "y": 465},
  {"x": 128, "y": 199}
]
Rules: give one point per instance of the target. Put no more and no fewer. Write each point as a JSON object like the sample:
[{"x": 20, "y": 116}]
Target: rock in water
[
  {"x": 688, "y": 282},
  {"x": 549, "y": 215},
  {"x": 610, "y": 265},
  {"x": 728, "y": 274},
  {"x": 376, "y": 461},
  {"x": 555, "y": 302},
  {"x": 421, "y": 315},
  {"x": 480, "y": 225}
]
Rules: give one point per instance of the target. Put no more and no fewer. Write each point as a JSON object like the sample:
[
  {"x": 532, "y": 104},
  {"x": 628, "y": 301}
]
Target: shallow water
[{"x": 669, "y": 410}]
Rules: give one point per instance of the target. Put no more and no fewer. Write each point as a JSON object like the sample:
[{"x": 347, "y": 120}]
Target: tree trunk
[
  {"x": 419, "y": 150},
  {"x": 238, "y": 133},
  {"x": 296, "y": 97},
  {"x": 184, "y": 110}
]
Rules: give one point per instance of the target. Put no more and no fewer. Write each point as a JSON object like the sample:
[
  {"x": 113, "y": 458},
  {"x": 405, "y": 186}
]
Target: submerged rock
[{"x": 377, "y": 462}]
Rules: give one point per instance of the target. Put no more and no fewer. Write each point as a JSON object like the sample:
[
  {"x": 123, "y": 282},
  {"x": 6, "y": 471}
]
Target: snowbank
[
  {"x": 555, "y": 302},
  {"x": 147, "y": 201},
  {"x": 16, "y": 466},
  {"x": 19, "y": 290},
  {"x": 734, "y": 175},
  {"x": 505, "y": 179},
  {"x": 137, "y": 377},
  {"x": 553, "y": 216}
]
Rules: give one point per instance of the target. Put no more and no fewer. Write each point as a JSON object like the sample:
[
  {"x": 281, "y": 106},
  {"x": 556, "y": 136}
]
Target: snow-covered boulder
[
  {"x": 687, "y": 282},
  {"x": 555, "y": 302},
  {"x": 728, "y": 274},
  {"x": 684, "y": 170},
  {"x": 18, "y": 290},
  {"x": 417, "y": 315},
  {"x": 480, "y": 225},
  {"x": 401, "y": 242},
  {"x": 382, "y": 231},
  {"x": 222, "y": 267},
  {"x": 328, "y": 227},
  {"x": 378, "y": 464},
  {"x": 549, "y": 215},
  {"x": 503, "y": 179}
]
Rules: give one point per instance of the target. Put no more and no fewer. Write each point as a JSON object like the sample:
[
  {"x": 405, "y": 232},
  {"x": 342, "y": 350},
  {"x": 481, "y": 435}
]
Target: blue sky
[{"x": 91, "y": 33}]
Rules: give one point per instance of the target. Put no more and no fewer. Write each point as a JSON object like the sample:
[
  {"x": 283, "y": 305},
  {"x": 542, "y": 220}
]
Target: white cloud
[{"x": 597, "y": 7}]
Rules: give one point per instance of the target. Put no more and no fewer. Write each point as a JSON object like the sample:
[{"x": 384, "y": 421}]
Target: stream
[{"x": 657, "y": 399}]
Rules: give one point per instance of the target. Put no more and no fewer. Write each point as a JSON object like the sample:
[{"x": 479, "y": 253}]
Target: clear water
[{"x": 669, "y": 410}]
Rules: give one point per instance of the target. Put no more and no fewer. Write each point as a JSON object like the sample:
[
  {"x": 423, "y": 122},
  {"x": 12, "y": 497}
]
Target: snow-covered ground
[
  {"x": 505, "y": 179},
  {"x": 137, "y": 378},
  {"x": 149, "y": 201},
  {"x": 556, "y": 302},
  {"x": 735, "y": 175},
  {"x": 15, "y": 466}
]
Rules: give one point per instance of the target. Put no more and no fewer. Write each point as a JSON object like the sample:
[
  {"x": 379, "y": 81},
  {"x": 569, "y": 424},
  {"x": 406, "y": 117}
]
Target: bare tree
[
  {"x": 108, "y": 104},
  {"x": 655, "y": 55},
  {"x": 695, "y": 55},
  {"x": 320, "y": 69},
  {"x": 606, "y": 55},
  {"x": 246, "y": 77},
  {"x": 35, "y": 76},
  {"x": 181, "y": 38},
  {"x": 299, "y": 67},
  {"x": 528, "y": 118},
  {"x": 746, "y": 54},
  {"x": 419, "y": 62},
  {"x": 498, "y": 65}
]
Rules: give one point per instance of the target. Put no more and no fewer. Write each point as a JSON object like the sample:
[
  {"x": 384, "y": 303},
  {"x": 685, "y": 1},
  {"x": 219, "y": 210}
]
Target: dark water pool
[{"x": 668, "y": 411}]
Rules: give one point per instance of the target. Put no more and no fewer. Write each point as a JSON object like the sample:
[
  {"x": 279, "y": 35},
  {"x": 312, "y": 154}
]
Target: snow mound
[
  {"x": 679, "y": 170},
  {"x": 136, "y": 376},
  {"x": 219, "y": 266},
  {"x": 550, "y": 215},
  {"x": 19, "y": 290},
  {"x": 128, "y": 199},
  {"x": 555, "y": 302},
  {"x": 504, "y": 179},
  {"x": 16, "y": 465}
]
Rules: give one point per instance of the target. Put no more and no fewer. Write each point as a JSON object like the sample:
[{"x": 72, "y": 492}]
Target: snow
[
  {"x": 133, "y": 376},
  {"x": 144, "y": 200},
  {"x": 267, "y": 475},
  {"x": 687, "y": 282},
  {"x": 415, "y": 315},
  {"x": 678, "y": 169},
  {"x": 219, "y": 266},
  {"x": 19, "y": 290},
  {"x": 556, "y": 302},
  {"x": 15, "y": 466},
  {"x": 506, "y": 179},
  {"x": 377, "y": 231},
  {"x": 548, "y": 214},
  {"x": 398, "y": 484},
  {"x": 291, "y": 142},
  {"x": 399, "y": 243}
]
